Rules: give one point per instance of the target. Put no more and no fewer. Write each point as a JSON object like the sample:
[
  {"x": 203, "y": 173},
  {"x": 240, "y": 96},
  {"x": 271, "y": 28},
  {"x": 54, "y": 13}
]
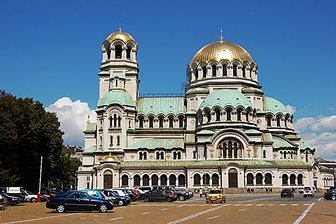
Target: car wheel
[
  {"x": 60, "y": 208},
  {"x": 102, "y": 208},
  {"x": 146, "y": 200},
  {"x": 181, "y": 198},
  {"x": 120, "y": 203},
  {"x": 333, "y": 197},
  {"x": 169, "y": 199},
  {"x": 33, "y": 200}
]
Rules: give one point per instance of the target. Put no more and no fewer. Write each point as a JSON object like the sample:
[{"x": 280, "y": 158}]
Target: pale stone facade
[{"x": 222, "y": 132}]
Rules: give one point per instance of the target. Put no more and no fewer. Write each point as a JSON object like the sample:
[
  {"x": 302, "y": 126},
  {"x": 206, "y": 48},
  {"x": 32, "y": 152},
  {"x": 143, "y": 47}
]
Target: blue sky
[{"x": 52, "y": 49}]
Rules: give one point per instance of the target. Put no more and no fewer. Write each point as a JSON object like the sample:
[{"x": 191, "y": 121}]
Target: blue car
[{"x": 78, "y": 201}]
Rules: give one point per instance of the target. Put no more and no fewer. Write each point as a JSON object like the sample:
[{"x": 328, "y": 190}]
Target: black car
[
  {"x": 159, "y": 195},
  {"x": 78, "y": 201},
  {"x": 330, "y": 194},
  {"x": 11, "y": 200},
  {"x": 287, "y": 192}
]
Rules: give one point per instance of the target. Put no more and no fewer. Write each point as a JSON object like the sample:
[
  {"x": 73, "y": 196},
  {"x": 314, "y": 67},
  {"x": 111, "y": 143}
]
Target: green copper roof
[
  {"x": 274, "y": 106},
  {"x": 197, "y": 91},
  {"x": 225, "y": 97},
  {"x": 90, "y": 150},
  {"x": 118, "y": 75},
  {"x": 158, "y": 143},
  {"x": 281, "y": 143},
  {"x": 303, "y": 144},
  {"x": 206, "y": 132},
  {"x": 120, "y": 97},
  {"x": 211, "y": 163},
  {"x": 252, "y": 90},
  {"x": 90, "y": 127},
  {"x": 160, "y": 105}
]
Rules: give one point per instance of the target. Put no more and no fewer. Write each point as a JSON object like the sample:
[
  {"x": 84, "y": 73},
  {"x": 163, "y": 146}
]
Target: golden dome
[
  {"x": 120, "y": 35},
  {"x": 109, "y": 159},
  {"x": 221, "y": 50}
]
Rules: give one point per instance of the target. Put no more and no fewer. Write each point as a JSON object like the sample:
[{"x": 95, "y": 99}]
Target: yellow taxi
[{"x": 215, "y": 196}]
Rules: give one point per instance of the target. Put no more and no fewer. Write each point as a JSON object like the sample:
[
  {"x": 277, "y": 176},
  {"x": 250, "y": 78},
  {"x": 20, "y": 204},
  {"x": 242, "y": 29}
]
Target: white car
[
  {"x": 29, "y": 196},
  {"x": 308, "y": 191}
]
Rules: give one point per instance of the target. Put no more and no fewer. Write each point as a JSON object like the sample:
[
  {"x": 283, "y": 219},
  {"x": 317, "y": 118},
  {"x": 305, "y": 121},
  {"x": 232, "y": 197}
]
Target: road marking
[
  {"x": 181, "y": 205},
  {"x": 163, "y": 209},
  {"x": 304, "y": 214},
  {"x": 283, "y": 204},
  {"x": 306, "y": 204},
  {"x": 49, "y": 217},
  {"x": 247, "y": 205},
  {"x": 117, "y": 218},
  {"x": 194, "y": 215},
  {"x": 237, "y": 204},
  {"x": 270, "y": 204},
  {"x": 213, "y": 217},
  {"x": 260, "y": 205},
  {"x": 203, "y": 205},
  {"x": 215, "y": 205},
  {"x": 295, "y": 204},
  {"x": 320, "y": 199},
  {"x": 145, "y": 213},
  {"x": 242, "y": 209}
]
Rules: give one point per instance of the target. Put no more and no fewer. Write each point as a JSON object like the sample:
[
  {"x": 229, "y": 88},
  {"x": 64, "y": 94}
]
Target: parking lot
[{"x": 240, "y": 208}]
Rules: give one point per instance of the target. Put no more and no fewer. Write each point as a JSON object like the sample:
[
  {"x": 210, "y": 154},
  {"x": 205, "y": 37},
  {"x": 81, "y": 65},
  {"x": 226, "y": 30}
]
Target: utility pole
[{"x": 40, "y": 182}]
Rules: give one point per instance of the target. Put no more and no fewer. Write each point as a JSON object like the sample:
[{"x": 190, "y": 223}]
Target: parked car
[
  {"x": 117, "y": 199},
  {"x": 215, "y": 195},
  {"x": 287, "y": 192},
  {"x": 17, "y": 192},
  {"x": 3, "y": 201},
  {"x": 308, "y": 191},
  {"x": 11, "y": 200},
  {"x": 134, "y": 195},
  {"x": 29, "y": 196},
  {"x": 330, "y": 194},
  {"x": 182, "y": 194},
  {"x": 159, "y": 195},
  {"x": 78, "y": 201}
]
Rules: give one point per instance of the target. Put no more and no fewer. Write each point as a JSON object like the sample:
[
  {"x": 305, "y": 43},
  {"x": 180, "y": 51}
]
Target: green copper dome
[
  {"x": 197, "y": 91},
  {"x": 274, "y": 106},
  {"x": 225, "y": 97},
  {"x": 116, "y": 97}
]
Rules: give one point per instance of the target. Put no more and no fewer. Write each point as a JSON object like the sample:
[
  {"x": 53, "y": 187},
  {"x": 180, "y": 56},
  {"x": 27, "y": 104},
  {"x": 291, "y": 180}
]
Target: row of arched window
[
  {"x": 159, "y": 155},
  {"x": 114, "y": 121},
  {"x": 206, "y": 179},
  {"x": 279, "y": 120},
  {"x": 112, "y": 141},
  {"x": 153, "y": 180},
  {"x": 223, "y": 70},
  {"x": 226, "y": 114},
  {"x": 118, "y": 51},
  {"x": 161, "y": 121},
  {"x": 259, "y": 179},
  {"x": 229, "y": 148},
  {"x": 292, "y": 180}
]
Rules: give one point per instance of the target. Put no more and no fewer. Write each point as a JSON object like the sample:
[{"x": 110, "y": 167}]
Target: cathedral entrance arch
[
  {"x": 108, "y": 179},
  {"x": 233, "y": 178}
]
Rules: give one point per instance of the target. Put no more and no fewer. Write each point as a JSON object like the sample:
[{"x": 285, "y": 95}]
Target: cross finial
[
  {"x": 221, "y": 35},
  {"x": 119, "y": 28}
]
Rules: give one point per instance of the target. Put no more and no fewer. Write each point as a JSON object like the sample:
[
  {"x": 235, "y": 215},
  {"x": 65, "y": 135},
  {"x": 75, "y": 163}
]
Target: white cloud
[
  {"x": 320, "y": 132},
  {"x": 291, "y": 109},
  {"x": 72, "y": 116}
]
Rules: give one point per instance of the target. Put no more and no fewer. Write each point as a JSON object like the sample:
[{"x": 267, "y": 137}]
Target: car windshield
[{"x": 215, "y": 192}]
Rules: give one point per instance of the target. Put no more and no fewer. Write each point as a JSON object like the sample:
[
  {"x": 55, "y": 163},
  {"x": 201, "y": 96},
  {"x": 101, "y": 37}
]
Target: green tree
[{"x": 28, "y": 132}]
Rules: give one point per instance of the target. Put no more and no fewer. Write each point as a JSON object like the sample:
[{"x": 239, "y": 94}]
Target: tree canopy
[{"x": 28, "y": 132}]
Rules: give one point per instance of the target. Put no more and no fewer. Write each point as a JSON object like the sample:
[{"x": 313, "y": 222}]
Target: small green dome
[
  {"x": 225, "y": 97},
  {"x": 274, "y": 106},
  {"x": 197, "y": 91},
  {"x": 116, "y": 97}
]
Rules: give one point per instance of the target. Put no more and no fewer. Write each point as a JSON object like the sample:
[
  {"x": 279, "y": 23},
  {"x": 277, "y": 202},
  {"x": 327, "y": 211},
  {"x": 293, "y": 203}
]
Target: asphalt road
[{"x": 240, "y": 208}]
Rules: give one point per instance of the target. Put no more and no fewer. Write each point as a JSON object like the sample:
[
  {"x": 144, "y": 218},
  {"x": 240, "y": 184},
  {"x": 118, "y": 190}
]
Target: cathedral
[{"x": 223, "y": 131}]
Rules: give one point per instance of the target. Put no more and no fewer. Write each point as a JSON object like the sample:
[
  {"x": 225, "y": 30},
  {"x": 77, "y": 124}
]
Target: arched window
[
  {"x": 118, "y": 51},
  {"x": 171, "y": 122},
  {"x": 259, "y": 179},
  {"x": 244, "y": 75},
  {"x": 292, "y": 179},
  {"x": 145, "y": 180},
  {"x": 124, "y": 180},
  {"x": 269, "y": 121},
  {"x": 128, "y": 52},
  {"x": 159, "y": 155},
  {"x": 285, "y": 155},
  {"x": 249, "y": 178},
  {"x": 181, "y": 180},
  {"x": 110, "y": 119},
  {"x": 160, "y": 122},
  {"x": 239, "y": 112},
  {"x": 300, "y": 179},
  {"x": 224, "y": 70},
  {"x": 307, "y": 158},
  {"x": 268, "y": 179},
  {"x": 118, "y": 140},
  {"x": 136, "y": 180},
  {"x": 204, "y": 70},
  {"x": 208, "y": 115},
  {"x": 264, "y": 154},
  {"x": 247, "y": 115},
  {"x": 284, "y": 179},
  {"x": 119, "y": 121},
  {"x": 197, "y": 180},
  {"x": 181, "y": 121},
  {"x": 141, "y": 122},
  {"x": 278, "y": 118},
  {"x": 114, "y": 120},
  {"x": 151, "y": 122},
  {"x": 196, "y": 73},
  {"x": 163, "y": 179},
  {"x": 206, "y": 179},
  {"x": 172, "y": 180},
  {"x": 101, "y": 141},
  {"x": 116, "y": 82},
  {"x": 217, "y": 115},
  {"x": 215, "y": 179},
  {"x": 234, "y": 70},
  {"x": 155, "y": 180},
  {"x": 228, "y": 114},
  {"x": 213, "y": 68},
  {"x": 111, "y": 140}
]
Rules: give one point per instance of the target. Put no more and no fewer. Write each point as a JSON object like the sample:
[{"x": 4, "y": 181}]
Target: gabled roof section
[
  {"x": 282, "y": 143},
  {"x": 274, "y": 106},
  {"x": 160, "y": 105},
  {"x": 120, "y": 97},
  {"x": 158, "y": 143}
]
